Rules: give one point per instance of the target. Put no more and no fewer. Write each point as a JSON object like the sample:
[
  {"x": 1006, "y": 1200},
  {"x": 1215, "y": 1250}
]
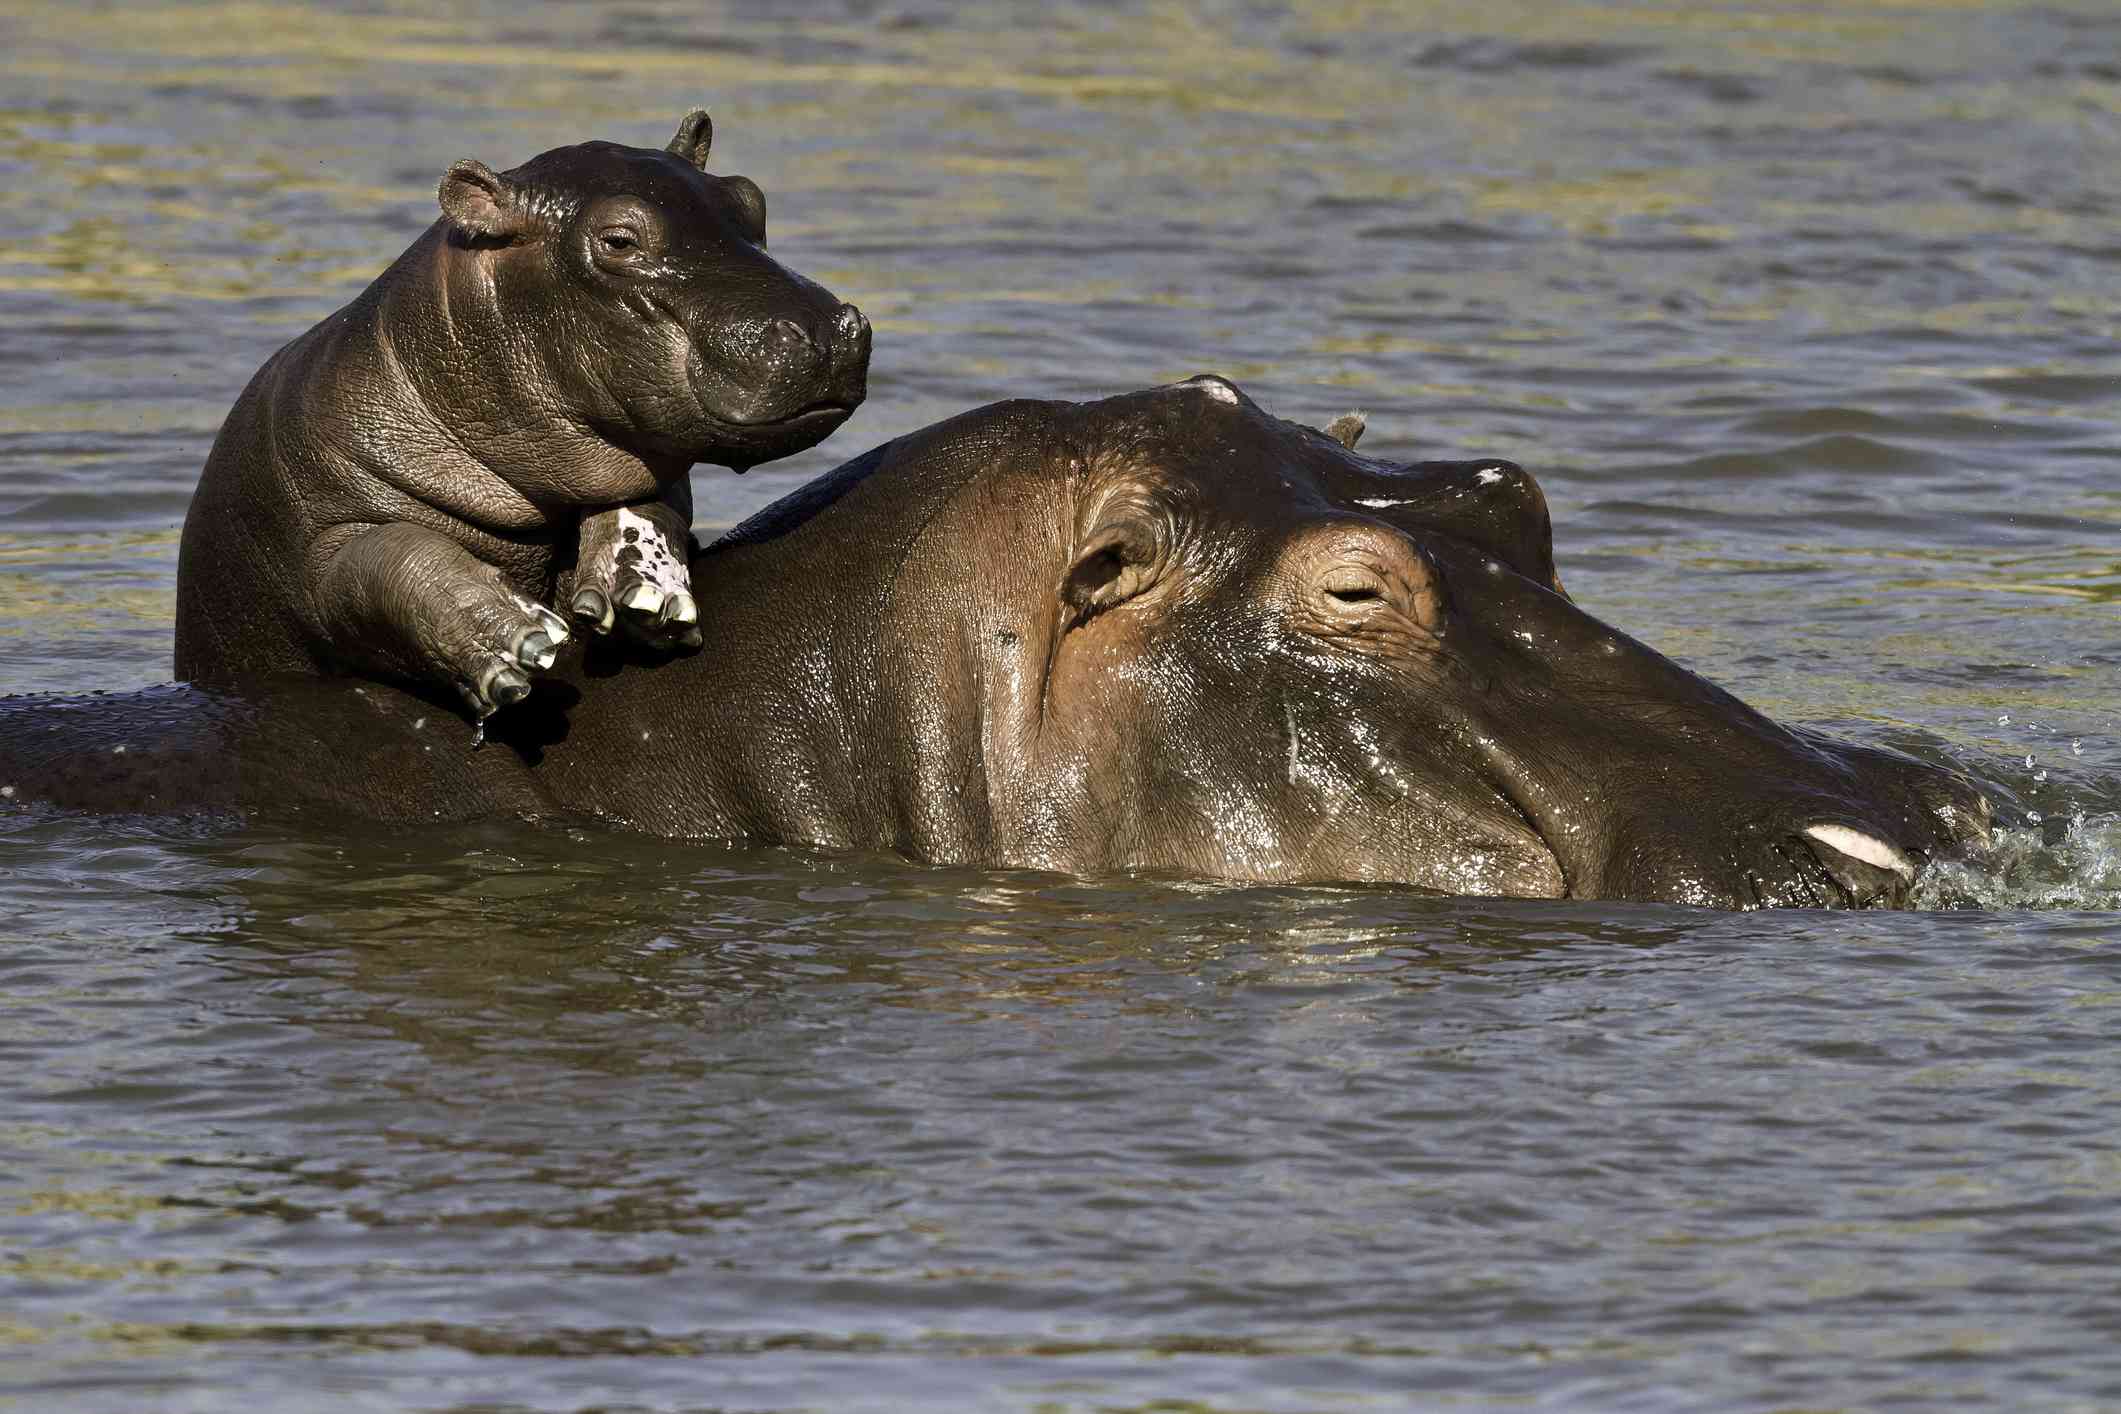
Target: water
[{"x": 1804, "y": 314}]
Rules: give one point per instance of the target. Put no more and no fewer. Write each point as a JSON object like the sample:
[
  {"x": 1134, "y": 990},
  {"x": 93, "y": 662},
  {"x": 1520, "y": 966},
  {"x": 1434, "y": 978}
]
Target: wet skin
[
  {"x": 1163, "y": 632},
  {"x": 399, "y": 490}
]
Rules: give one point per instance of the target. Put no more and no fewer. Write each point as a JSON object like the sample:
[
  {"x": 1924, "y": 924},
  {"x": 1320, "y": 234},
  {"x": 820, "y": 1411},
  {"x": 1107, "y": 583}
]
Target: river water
[{"x": 1804, "y": 311}]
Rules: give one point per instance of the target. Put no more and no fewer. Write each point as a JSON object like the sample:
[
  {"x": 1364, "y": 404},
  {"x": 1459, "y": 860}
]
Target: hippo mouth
[
  {"x": 1782, "y": 858},
  {"x": 809, "y": 412},
  {"x": 1837, "y": 866},
  {"x": 822, "y": 410},
  {"x": 753, "y": 400},
  {"x": 1817, "y": 866},
  {"x": 1793, "y": 869},
  {"x": 744, "y": 442},
  {"x": 746, "y": 417}
]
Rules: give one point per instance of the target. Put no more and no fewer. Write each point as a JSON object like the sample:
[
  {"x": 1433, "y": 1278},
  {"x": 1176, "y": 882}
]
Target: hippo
[
  {"x": 1164, "y": 632},
  {"x": 400, "y": 488}
]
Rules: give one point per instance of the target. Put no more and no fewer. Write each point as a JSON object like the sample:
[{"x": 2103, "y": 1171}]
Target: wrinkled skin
[
  {"x": 399, "y": 489},
  {"x": 1162, "y": 632}
]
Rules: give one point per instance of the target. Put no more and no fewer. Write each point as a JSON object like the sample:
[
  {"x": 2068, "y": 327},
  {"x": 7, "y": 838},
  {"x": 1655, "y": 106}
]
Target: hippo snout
[
  {"x": 1831, "y": 826},
  {"x": 1762, "y": 863},
  {"x": 1919, "y": 813},
  {"x": 784, "y": 382},
  {"x": 831, "y": 352},
  {"x": 840, "y": 339},
  {"x": 1873, "y": 859}
]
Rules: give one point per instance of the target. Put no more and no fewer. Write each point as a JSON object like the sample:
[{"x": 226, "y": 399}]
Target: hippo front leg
[
  {"x": 401, "y": 600},
  {"x": 631, "y": 569}
]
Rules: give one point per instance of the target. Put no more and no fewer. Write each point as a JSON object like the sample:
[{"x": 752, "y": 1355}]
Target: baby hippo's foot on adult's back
[
  {"x": 533, "y": 635},
  {"x": 631, "y": 570},
  {"x": 404, "y": 601}
]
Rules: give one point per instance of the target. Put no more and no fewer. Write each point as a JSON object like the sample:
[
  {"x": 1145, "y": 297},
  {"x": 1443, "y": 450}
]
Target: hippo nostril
[{"x": 784, "y": 337}]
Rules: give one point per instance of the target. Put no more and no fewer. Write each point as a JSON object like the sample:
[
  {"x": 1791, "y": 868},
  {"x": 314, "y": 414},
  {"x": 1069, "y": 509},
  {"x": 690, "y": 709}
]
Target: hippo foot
[
  {"x": 631, "y": 571},
  {"x": 499, "y": 678}
]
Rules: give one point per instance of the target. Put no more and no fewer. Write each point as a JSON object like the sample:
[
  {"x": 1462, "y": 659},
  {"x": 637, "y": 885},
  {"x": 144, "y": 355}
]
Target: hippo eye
[
  {"x": 618, "y": 242},
  {"x": 1353, "y": 585},
  {"x": 1365, "y": 587}
]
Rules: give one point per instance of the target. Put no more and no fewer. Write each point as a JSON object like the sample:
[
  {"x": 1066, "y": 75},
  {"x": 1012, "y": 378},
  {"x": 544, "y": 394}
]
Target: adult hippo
[
  {"x": 398, "y": 488},
  {"x": 1161, "y": 632}
]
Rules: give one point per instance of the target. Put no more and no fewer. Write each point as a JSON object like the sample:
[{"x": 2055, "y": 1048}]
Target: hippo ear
[
  {"x": 479, "y": 203},
  {"x": 1347, "y": 429},
  {"x": 752, "y": 200},
  {"x": 1117, "y": 563},
  {"x": 694, "y": 136}
]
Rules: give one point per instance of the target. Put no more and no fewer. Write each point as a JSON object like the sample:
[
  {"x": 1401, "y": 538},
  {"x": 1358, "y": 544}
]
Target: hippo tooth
[{"x": 1868, "y": 848}]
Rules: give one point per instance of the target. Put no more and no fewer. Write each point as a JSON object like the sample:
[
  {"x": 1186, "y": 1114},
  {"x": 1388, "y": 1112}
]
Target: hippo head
[
  {"x": 630, "y": 292},
  {"x": 1247, "y": 652}
]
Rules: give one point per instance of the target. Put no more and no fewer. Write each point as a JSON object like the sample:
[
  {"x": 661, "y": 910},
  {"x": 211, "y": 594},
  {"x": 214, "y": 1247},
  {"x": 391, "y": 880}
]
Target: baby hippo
[{"x": 510, "y": 409}]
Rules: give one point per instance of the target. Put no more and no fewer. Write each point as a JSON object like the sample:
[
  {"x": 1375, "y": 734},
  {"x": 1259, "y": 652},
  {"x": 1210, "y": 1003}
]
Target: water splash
[{"x": 2054, "y": 864}]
